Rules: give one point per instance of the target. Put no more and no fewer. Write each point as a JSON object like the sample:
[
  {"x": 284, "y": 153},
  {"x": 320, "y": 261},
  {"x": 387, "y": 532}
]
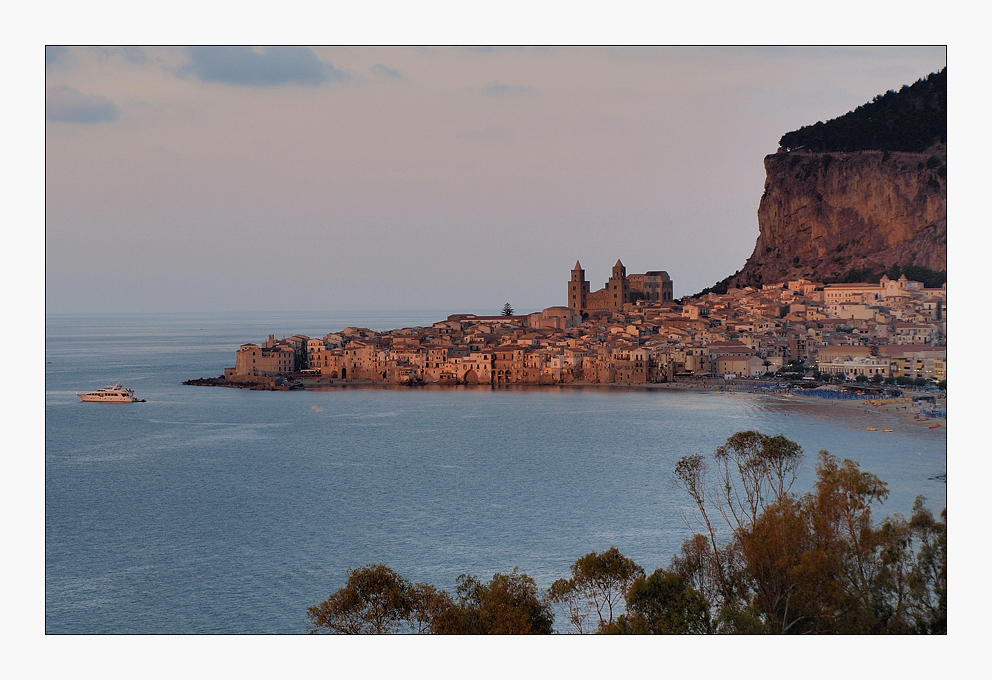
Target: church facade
[{"x": 654, "y": 286}]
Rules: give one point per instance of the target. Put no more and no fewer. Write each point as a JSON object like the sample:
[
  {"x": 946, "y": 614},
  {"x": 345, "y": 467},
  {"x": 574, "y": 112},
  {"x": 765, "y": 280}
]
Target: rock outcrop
[{"x": 824, "y": 214}]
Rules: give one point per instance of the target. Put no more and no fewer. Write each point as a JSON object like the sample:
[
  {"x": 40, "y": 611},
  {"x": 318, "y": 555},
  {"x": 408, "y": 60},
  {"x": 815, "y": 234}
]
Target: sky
[{"x": 392, "y": 178}]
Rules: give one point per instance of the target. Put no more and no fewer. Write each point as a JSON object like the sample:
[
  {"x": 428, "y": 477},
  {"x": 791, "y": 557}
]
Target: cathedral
[{"x": 653, "y": 286}]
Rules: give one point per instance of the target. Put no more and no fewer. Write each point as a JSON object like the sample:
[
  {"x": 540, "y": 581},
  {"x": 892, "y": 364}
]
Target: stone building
[
  {"x": 508, "y": 364},
  {"x": 556, "y": 318},
  {"x": 654, "y": 286},
  {"x": 868, "y": 293},
  {"x": 252, "y": 360},
  {"x": 853, "y": 367}
]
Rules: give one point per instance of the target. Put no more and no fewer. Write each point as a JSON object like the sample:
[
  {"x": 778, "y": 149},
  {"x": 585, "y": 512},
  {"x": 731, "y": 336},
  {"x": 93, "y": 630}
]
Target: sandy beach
[{"x": 903, "y": 411}]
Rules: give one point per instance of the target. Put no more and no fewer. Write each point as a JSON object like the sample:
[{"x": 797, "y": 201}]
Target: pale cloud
[
  {"x": 386, "y": 72},
  {"x": 64, "y": 104},
  {"x": 241, "y": 65},
  {"x": 54, "y": 53},
  {"x": 130, "y": 53},
  {"x": 503, "y": 88}
]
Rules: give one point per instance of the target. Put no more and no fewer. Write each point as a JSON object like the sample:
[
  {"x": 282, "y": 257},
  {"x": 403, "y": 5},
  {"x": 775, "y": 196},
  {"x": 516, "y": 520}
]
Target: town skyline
[
  {"x": 631, "y": 332},
  {"x": 387, "y": 175}
]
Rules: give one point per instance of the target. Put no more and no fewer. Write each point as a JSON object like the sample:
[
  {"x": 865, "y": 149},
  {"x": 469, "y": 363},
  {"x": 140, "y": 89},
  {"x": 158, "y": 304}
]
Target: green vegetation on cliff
[
  {"x": 912, "y": 119},
  {"x": 928, "y": 277}
]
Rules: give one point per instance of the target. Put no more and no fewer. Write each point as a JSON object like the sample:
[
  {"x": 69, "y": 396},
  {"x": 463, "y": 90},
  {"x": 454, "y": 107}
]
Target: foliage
[
  {"x": 811, "y": 564},
  {"x": 927, "y": 580},
  {"x": 429, "y": 606},
  {"x": 375, "y": 599},
  {"x": 912, "y": 119},
  {"x": 855, "y": 275},
  {"x": 720, "y": 287},
  {"x": 795, "y": 368},
  {"x": 766, "y": 561},
  {"x": 694, "y": 565},
  {"x": 507, "y": 310},
  {"x": 765, "y": 466},
  {"x": 508, "y": 605},
  {"x": 598, "y": 584},
  {"x": 663, "y": 603},
  {"x": 930, "y": 278}
]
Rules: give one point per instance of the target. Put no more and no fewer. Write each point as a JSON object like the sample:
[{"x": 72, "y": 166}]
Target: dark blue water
[{"x": 223, "y": 510}]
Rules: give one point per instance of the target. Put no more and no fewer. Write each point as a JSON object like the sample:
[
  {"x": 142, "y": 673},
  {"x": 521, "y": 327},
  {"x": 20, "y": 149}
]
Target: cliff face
[{"x": 823, "y": 214}]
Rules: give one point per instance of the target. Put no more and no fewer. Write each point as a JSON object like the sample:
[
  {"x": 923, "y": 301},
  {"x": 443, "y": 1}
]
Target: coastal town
[{"x": 632, "y": 332}]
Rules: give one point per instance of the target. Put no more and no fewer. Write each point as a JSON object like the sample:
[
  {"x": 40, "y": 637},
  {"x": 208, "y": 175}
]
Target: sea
[{"x": 219, "y": 510}]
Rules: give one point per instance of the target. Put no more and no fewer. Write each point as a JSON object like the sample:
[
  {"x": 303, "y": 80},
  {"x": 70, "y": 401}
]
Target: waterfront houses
[{"x": 893, "y": 329}]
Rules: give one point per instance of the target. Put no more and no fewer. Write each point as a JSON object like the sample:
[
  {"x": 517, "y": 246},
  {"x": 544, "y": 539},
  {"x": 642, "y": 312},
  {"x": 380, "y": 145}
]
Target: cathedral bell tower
[
  {"x": 618, "y": 287},
  {"x": 578, "y": 288}
]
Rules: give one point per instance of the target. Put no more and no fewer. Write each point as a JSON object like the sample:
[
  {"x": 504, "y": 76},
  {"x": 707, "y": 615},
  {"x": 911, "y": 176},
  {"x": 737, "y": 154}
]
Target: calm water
[{"x": 220, "y": 510}]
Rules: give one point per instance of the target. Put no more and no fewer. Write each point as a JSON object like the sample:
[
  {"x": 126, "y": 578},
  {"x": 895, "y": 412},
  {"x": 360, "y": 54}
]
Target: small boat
[
  {"x": 934, "y": 426},
  {"x": 116, "y": 394},
  {"x": 885, "y": 429},
  {"x": 871, "y": 429}
]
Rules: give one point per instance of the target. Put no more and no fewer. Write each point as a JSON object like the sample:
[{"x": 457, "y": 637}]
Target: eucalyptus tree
[
  {"x": 663, "y": 603},
  {"x": 598, "y": 585},
  {"x": 375, "y": 599},
  {"x": 771, "y": 561},
  {"x": 509, "y": 604},
  {"x": 753, "y": 471}
]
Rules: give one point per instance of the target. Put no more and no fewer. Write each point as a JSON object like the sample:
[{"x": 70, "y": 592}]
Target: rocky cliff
[{"x": 824, "y": 214}]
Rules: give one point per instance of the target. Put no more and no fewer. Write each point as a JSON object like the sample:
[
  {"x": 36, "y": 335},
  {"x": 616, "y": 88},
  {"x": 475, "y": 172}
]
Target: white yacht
[{"x": 115, "y": 394}]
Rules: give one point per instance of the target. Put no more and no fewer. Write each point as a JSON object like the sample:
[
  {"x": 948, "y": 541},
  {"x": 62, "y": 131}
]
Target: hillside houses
[{"x": 892, "y": 329}]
